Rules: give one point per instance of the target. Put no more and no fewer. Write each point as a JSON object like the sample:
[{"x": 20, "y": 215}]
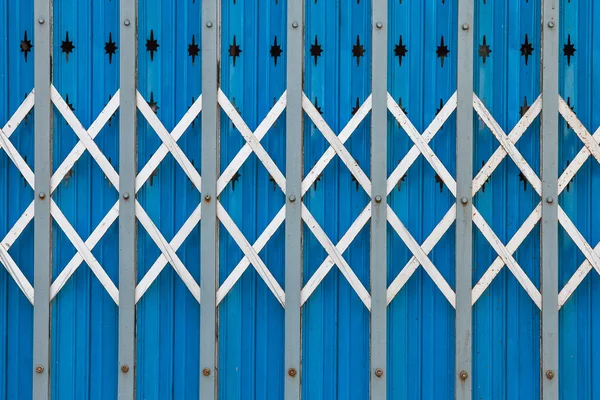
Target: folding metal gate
[{"x": 269, "y": 199}]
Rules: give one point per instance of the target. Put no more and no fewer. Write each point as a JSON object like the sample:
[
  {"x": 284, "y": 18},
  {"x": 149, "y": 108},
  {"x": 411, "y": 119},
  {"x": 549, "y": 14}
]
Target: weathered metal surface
[{"x": 285, "y": 314}]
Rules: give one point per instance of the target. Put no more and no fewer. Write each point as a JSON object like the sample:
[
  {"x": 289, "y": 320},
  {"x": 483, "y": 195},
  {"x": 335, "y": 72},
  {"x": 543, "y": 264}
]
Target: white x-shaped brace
[
  {"x": 12, "y": 153},
  {"x": 336, "y": 143},
  {"x": 85, "y": 143},
  {"x": 591, "y": 147}
]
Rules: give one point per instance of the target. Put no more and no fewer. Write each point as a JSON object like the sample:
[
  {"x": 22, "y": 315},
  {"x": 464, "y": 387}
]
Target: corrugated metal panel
[
  {"x": 578, "y": 86},
  {"x": 251, "y": 320},
  {"x": 16, "y": 312},
  {"x": 422, "y": 78},
  {"x": 168, "y": 314},
  {"x": 422, "y": 71},
  {"x": 84, "y": 317},
  {"x": 506, "y": 324}
]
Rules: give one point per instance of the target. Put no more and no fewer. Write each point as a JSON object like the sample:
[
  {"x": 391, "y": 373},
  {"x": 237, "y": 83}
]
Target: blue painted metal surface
[
  {"x": 335, "y": 336},
  {"x": 421, "y": 320},
  {"x": 506, "y": 322},
  {"x": 335, "y": 322},
  {"x": 84, "y": 317},
  {"x": 578, "y": 85},
  {"x": 16, "y": 312},
  {"x": 251, "y": 320},
  {"x": 168, "y": 315}
]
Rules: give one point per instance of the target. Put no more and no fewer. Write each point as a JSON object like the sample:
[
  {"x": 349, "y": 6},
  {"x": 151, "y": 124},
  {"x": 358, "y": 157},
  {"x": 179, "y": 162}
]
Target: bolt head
[
  {"x": 42, "y": 195},
  {"x": 207, "y": 197},
  {"x": 41, "y": 21},
  {"x": 292, "y": 198},
  {"x": 378, "y": 372},
  {"x": 465, "y": 27},
  {"x": 379, "y": 25},
  {"x": 549, "y": 200},
  {"x": 378, "y": 199},
  {"x": 126, "y": 196},
  {"x": 550, "y": 374},
  {"x": 294, "y": 24},
  {"x": 39, "y": 369},
  {"x": 292, "y": 372},
  {"x": 125, "y": 368},
  {"x": 464, "y": 200},
  {"x": 463, "y": 375},
  {"x": 206, "y": 371},
  {"x": 126, "y": 22},
  {"x": 550, "y": 24},
  {"x": 209, "y": 24}
]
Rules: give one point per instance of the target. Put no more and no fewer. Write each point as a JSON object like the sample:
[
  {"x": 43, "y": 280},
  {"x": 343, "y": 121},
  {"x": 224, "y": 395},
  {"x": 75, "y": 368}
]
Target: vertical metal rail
[
  {"x": 293, "y": 209},
  {"x": 43, "y": 220},
  {"x": 379, "y": 200},
  {"x": 464, "y": 201},
  {"x": 127, "y": 198},
  {"x": 209, "y": 252},
  {"x": 549, "y": 177}
]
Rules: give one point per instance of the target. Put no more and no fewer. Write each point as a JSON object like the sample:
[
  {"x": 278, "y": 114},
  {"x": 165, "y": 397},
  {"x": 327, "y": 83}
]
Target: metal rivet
[
  {"x": 126, "y": 22},
  {"x": 379, "y": 25},
  {"x": 39, "y": 369},
  {"x": 292, "y": 372},
  {"x": 378, "y": 199},
  {"x": 206, "y": 371},
  {"x": 292, "y": 198},
  {"x": 126, "y": 196},
  {"x": 125, "y": 369},
  {"x": 549, "y": 200},
  {"x": 294, "y": 24},
  {"x": 41, "y": 22},
  {"x": 207, "y": 197},
  {"x": 464, "y": 200},
  {"x": 209, "y": 24},
  {"x": 550, "y": 24},
  {"x": 463, "y": 375},
  {"x": 378, "y": 372},
  {"x": 465, "y": 27},
  {"x": 42, "y": 195},
  {"x": 550, "y": 374}
]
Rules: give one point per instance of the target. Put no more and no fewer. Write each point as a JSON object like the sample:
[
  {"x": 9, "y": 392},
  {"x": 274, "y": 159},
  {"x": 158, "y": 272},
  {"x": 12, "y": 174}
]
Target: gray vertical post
[
  {"x": 549, "y": 177},
  {"x": 378, "y": 371},
  {"x": 209, "y": 224},
  {"x": 464, "y": 201},
  {"x": 43, "y": 221},
  {"x": 127, "y": 221},
  {"x": 293, "y": 208}
]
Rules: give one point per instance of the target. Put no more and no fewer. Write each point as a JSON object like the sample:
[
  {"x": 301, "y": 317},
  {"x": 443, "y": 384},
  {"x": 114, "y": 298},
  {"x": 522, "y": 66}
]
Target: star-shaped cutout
[
  {"x": 69, "y": 104},
  {"x": 193, "y": 49},
  {"x": 523, "y": 178},
  {"x": 400, "y": 51},
  {"x": 439, "y": 109},
  {"x": 234, "y": 179},
  {"x": 275, "y": 50},
  {"x": 442, "y": 51},
  {"x": 358, "y": 50},
  {"x": 25, "y": 46},
  {"x": 524, "y": 108},
  {"x": 110, "y": 48},
  {"x": 356, "y": 107},
  {"x": 572, "y": 109},
  {"x": 526, "y": 49},
  {"x": 234, "y": 50},
  {"x": 152, "y": 45},
  {"x": 67, "y": 46},
  {"x": 318, "y": 108},
  {"x": 316, "y": 50},
  {"x": 153, "y": 104},
  {"x": 569, "y": 50},
  {"x": 484, "y": 50}
]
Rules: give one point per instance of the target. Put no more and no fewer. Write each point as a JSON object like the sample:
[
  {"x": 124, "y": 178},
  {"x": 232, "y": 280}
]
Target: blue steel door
[{"x": 250, "y": 197}]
